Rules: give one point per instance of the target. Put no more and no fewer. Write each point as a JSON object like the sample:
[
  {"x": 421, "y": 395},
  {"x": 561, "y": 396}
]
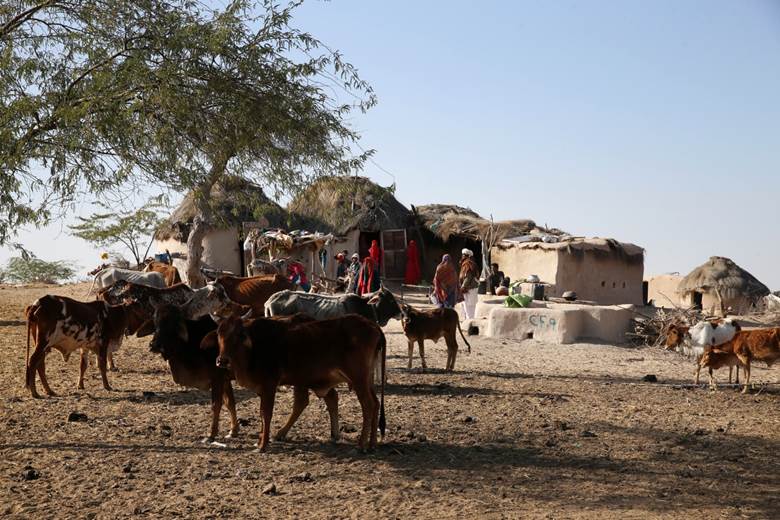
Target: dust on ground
[{"x": 521, "y": 429}]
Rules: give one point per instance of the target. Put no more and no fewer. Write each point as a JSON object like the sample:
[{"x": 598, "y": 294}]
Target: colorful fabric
[
  {"x": 353, "y": 274},
  {"x": 368, "y": 278},
  {"x": 413, "y": 274},
  {"x": 297, "y": 273},
  {"x": 376, "y": 254},
  {"x": 445, "y": 283}
]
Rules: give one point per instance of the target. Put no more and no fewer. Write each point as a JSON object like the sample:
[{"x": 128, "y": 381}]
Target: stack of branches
[{"x": 651, "y": 331}]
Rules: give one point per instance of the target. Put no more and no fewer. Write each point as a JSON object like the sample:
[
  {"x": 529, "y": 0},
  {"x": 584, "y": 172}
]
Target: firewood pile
[{"x": 651, "y": 331}]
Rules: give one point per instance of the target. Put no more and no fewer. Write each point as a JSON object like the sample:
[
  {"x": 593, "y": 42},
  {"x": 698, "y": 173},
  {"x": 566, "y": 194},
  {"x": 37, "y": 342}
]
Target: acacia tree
[
  {"x": 187, "y": 94},
  {"x": 129, "y": 228}
]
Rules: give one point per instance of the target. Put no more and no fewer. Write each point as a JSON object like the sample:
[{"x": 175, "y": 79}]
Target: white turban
[{"x": 467, "y": 252}]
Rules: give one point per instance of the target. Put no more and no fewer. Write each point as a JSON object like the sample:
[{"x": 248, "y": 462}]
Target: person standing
[
  {"x": 369, "y": 279},
  {"x": 469, "y": 282},
  {"x": 445, "y": 283},
  {"x": 353, "y": 272},
  {"x": 413, "y": 274},
  {"x": 377, "y": 257},
  {"x": 298, "y": 275}
]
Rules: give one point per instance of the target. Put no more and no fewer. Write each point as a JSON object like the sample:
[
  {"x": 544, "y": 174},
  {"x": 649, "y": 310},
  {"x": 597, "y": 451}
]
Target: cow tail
[
  {"x": 382, "y": 419},
  {"x": 93, "y": 282},
  {"x": 27, "y": 313},
  {"x": 464, "y": 337}
]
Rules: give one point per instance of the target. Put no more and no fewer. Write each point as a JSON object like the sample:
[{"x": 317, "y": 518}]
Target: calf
[
  {"x": 264, "y": 353},
  {"x": 169, "y": 273},
  {"x": 714, "y": 359},
  {"x": 190, "y": 348},
  {"x": 64, "y": 324},
  {"x": 756, "y": 345},
  {"x": 432, "y": 324}
]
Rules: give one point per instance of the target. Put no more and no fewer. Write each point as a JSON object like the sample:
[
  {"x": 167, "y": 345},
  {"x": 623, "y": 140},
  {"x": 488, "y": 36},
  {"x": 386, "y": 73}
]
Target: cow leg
[
  {"x": 736, "y": 368},
  {"x": 332, "y": 403},
  {"x": 102, "y": 354},
  {"x": 300, "y": 402},
  {"x": 267, "y": 397},
  {"x": 422, "y": 353},
  {"x": 411, "y": 352},
  {"x": 111, "y": 365},
  {"x": 747, "y": 376},
  {"x": 713, "y": 386},
  {"x": 230, "y": 402},
  {"x": 38, "y": 358},
  {"x": 44, "y": 380},
  {"x": 217, "y": 392},
  {"x": 452, "y": 351},
  {"x": 82, "y": 368},
  {"x": 731, "y": 369},
  {"x": 369, "y": 406}
]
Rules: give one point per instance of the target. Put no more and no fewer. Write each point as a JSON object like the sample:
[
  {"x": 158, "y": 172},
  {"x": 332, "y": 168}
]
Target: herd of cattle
[
  {"x": 261, "y": 333},
  {"x": 256, "y": 330}
]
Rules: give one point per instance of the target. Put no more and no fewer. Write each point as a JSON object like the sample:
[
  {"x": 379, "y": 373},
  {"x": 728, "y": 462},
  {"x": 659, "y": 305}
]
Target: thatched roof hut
[
  {"x": 447, "y": 221},
  {"x": 341, "y": 204},
  {"x": 234, "y": 200},
  {"x": 721, "y": 276}
]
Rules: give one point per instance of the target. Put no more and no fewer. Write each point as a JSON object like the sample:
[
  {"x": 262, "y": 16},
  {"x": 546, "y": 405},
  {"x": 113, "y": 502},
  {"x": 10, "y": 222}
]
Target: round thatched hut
[
  {"x": 719, "y": 286},
  {"x": 237, "y": 206},
  {"x": 356, "y": 211}
]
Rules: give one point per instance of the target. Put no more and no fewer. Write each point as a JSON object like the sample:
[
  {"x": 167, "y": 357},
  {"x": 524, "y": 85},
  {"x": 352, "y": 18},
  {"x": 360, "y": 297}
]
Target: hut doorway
[
  {"x": 697, "y": 300},
  {"x": 394, "y": 247}
]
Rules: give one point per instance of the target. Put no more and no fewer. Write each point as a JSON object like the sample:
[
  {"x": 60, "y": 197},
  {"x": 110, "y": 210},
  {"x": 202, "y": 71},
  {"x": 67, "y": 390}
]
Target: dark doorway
[
  {"x": 645, "y": 291},
  {"x": 364, "y": 242},
  {"x": 697, "y": 300}
]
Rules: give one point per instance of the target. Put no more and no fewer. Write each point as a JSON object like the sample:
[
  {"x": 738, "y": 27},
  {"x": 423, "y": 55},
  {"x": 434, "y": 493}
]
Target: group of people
[
  {"x": 360, "y": 277},
  {"x": 451, "y": 287}
]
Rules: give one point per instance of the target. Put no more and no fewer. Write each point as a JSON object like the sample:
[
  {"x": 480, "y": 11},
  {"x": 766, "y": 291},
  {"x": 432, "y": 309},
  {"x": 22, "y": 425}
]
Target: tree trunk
[{"x": 201, "y": 224}]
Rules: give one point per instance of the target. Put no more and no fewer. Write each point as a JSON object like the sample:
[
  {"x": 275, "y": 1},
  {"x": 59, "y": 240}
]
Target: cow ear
[{"x": 209, "y": 341}]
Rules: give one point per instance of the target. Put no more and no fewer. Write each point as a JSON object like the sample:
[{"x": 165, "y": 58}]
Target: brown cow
[
  {"x": 432, "y": 324},
  {"x": 64, "y": 324},
  {"x": 756, "y": 345},
  {"x": 263, "y": 354},
  {"x": 169, "y": 272},
  {"x": 714, "y": 359},
  {"x": 253, "y": 291}
]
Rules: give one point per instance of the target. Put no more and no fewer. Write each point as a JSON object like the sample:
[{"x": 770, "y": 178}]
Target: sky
[{"x": 656, "y": 123}]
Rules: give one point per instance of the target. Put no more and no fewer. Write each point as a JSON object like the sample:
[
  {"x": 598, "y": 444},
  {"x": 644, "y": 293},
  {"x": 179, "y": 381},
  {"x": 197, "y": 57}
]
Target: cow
[
  {"x": 252, "y": 291},
  {"x": 111, "y": 275},
  {"x": 190, "y": 348},
  {"x": 124, "y": 290},
  {"x": 264, "y": 353},
  {"x": 260, "y": 267},
  {"x": 169, "y": 272},
  {"x": 380, "y": 307},
  {"x": 432, "y": 324},
  {"x": 756, "y": 345},
  {"x": 64, "y": 324},
  {"x": 694, "y": 341}
]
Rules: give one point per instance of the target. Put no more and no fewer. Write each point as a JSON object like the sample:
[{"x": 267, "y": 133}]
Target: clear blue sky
[{"x": 656, "y": 122}]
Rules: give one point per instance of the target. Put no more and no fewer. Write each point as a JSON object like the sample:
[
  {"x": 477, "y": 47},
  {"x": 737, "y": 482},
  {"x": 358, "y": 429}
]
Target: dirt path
[{"x": 520, "y": 430}]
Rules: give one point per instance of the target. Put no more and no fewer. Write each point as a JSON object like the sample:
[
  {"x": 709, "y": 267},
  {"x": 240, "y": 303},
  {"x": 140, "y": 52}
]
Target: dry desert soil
[{"x": 519, "y": 430}]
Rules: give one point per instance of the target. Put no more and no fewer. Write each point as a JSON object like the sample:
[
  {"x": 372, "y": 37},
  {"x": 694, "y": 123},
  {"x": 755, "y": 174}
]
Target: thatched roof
[
  {"x": 722, "y": 274},
  {"x": 341, "y": 204},
  {"x": 578, "y": 247},
  {"x": 233, "y": 200},
  {"x": 447, "y": 220}
]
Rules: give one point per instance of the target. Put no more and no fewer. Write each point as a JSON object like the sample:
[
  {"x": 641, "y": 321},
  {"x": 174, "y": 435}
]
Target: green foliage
[
  {"x": 128, "y": 228},
  {"x": 102, "y": 93},
  {"x": 35, "y": 270}
]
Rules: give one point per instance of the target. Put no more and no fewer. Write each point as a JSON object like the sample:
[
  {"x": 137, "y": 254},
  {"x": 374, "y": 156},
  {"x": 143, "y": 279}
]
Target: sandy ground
[{"x": 520, "y": 430}]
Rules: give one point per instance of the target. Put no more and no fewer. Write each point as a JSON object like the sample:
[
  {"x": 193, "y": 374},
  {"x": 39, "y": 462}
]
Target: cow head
[
  {"x": 116, "y": 293},
  {"x": 675, "y": 336},
  {"x": 170, "y": 330},
  {"x": 385, "y": 305},
  {"x": 232, "y": 338}
]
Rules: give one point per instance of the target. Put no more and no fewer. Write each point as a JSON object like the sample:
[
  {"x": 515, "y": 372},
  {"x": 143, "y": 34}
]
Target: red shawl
[
  {"x": 375, "y": 253},
  {"x": 413, "y": 274},
  {"x": 365, "y": 281},
  {"x": 446, "y": 280}
]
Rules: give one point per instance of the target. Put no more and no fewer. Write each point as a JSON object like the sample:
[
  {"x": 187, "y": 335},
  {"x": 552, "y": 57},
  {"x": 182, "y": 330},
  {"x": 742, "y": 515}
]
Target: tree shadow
[{"x": 444, "y": 389}]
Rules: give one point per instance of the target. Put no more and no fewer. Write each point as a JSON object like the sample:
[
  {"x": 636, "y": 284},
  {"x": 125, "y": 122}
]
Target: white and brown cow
[{"x": 67, "y": 325}]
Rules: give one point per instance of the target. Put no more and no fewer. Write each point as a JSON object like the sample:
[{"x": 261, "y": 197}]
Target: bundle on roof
[
  {"x": 447, "y": 221},
  {"x": 233, "y": 200},
  {"x": 340, "y": 204},
  {"x": 722, "y": 275}
]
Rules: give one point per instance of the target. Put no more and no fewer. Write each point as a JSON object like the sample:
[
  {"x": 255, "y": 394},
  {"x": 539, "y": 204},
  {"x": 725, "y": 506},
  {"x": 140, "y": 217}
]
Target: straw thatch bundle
[
  {"x": 578, "y": 247},
  {"x": 341, "y": 204},
  {"x": 233, "y": 200},
  {"x": 722, "y": 276},
  {"x": 447, "y": 220}
]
